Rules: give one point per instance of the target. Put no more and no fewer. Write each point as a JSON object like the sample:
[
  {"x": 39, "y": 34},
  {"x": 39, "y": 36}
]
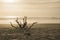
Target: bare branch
[
  {"x": 32, "y": 25},
  {"x": 24, "y": 22},
  {"x": 24, "y": 19},
  {"x": 12, "y": 25},
  {"x": 18, "y": 23}
]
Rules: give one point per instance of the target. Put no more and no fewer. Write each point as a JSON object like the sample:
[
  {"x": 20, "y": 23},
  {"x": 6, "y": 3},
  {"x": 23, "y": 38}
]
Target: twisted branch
[
  {"x": 12, "y": 25},
  {"x": 18, "y": 23},
  {"x": 24, "y": 22},
  {"x": 32, "y": 25}
]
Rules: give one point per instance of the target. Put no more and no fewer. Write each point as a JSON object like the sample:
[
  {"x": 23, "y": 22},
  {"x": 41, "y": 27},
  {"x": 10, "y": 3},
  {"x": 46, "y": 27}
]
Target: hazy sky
[{"x": 44, "y": 8}]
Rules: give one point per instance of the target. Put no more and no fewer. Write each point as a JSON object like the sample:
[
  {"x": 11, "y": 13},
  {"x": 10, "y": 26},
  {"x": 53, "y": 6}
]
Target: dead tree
[{"x": 23, "y": 26}]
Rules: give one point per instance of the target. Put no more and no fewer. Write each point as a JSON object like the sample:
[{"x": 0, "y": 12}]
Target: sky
[
  {"x": 35, "y": 8},
  {"x": 42, "y": 8}
]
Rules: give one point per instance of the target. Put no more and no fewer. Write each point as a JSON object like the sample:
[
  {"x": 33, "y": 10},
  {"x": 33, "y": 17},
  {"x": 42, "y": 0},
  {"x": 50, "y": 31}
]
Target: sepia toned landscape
[{"x": 29, "y": 19}]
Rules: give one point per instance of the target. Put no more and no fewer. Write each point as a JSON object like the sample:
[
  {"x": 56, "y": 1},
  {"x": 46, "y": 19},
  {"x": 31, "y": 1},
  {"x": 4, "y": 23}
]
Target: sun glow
[{"x": 8, "y": 1}]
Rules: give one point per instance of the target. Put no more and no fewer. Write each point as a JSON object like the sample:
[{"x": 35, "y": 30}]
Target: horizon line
[{"x": 28, "y": 17}]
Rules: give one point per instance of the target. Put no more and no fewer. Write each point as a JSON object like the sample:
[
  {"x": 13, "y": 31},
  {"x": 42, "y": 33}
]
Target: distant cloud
[{"x": 48, "y": 1}]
